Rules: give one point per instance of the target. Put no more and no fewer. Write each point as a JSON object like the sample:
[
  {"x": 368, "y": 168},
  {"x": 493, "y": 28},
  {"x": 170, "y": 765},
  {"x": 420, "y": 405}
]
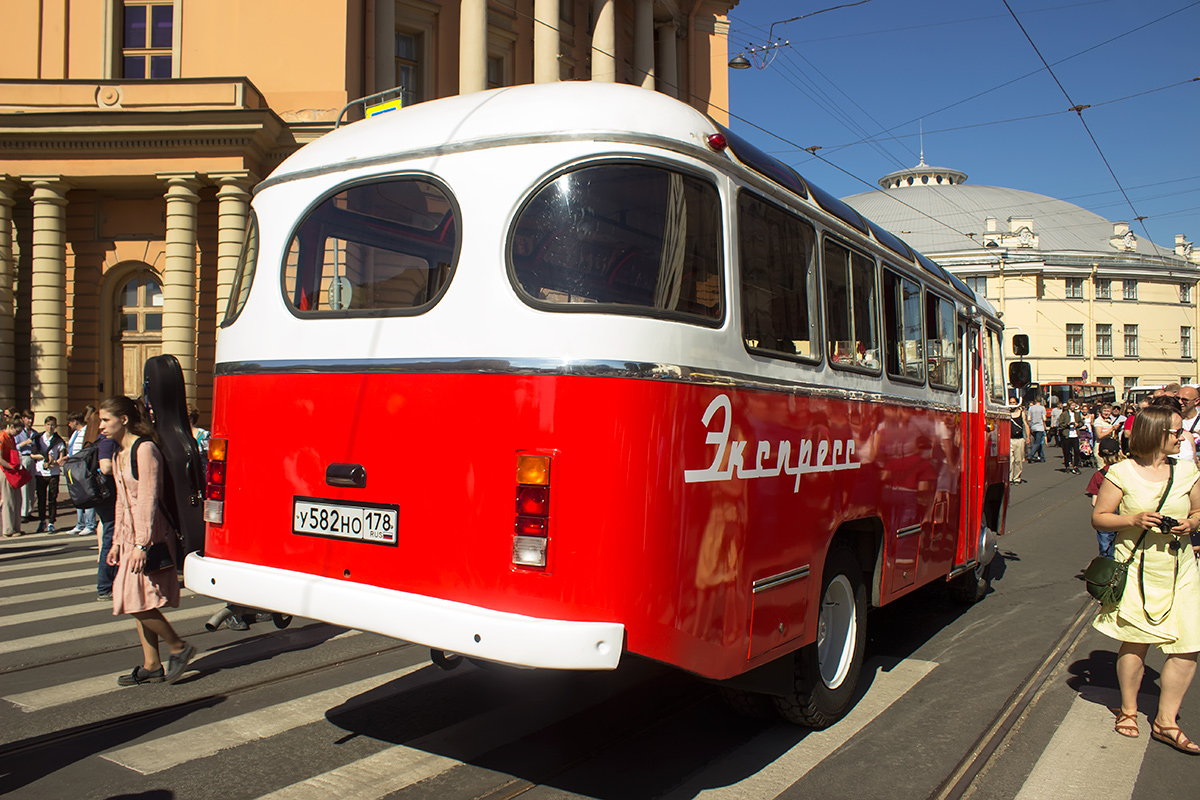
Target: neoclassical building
[
  {"x": 133, "y": 133},
  {"x": 1098, "y": 301}
]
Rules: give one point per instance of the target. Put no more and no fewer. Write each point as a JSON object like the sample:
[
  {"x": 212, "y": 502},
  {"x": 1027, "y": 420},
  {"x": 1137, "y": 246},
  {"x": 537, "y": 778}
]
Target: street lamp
[{"x": 739, "y": 62}]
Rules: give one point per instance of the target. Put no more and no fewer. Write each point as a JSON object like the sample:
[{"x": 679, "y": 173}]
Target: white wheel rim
[{"x": 837, "y": 632}]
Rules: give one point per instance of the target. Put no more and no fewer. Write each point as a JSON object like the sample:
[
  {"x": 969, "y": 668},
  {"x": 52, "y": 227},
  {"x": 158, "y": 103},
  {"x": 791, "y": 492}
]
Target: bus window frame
[
  {"x": 812, "y": 284},
  {"x": 643, "y": 312},
  {"x": 372, "y": 313},
  {"x": 994, "y": 342},
  {"x": 828, "y": 236},
  {"x": 956, "y": 338},
  {"x": 886, "y": 266},
  {"x": 241, "y": 274}
]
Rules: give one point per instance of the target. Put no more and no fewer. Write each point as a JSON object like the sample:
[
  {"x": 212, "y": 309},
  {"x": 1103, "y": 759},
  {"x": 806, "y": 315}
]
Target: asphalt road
[{"x": 1004, "y": 699}]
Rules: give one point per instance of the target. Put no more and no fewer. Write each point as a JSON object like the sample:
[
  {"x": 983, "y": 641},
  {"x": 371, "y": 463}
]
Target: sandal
[
  {"x": 1126, "y": 723},
  {"x": 1179, "y": 741},
  {"x": 141, "y": 675}
]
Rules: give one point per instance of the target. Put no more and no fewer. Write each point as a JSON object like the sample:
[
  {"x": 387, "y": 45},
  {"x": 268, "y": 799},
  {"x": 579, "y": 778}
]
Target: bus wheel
[
  {"x": 826, "y": 671},
  {"x": 754, "y": 705},
  {"x": 969, "y": 587}
]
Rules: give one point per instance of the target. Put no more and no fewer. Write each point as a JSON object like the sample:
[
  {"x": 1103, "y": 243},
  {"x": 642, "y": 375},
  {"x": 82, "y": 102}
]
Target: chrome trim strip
[
  {"x": 669, "y": 373},
  {"x": 763, "y": 584},
  {"x": 909, "y": 531}
]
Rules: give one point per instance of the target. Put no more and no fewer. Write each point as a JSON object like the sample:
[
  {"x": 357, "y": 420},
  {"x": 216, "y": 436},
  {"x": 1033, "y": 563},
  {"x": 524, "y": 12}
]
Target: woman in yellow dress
[{"x": 1166, "y": 615}]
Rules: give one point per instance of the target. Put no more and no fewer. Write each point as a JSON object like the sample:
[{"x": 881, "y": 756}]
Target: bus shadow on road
[{"x": 642, "y": 731}]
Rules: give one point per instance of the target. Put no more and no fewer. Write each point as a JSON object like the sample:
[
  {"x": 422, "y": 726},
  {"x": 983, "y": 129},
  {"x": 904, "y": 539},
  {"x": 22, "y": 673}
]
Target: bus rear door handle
[{"x": 352, "y": 475}]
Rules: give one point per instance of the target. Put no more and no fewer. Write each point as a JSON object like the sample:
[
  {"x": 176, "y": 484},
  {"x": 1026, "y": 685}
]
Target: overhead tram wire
[
  {"x": 812, "y": 150},
  {"x": 1060, "y": 112},
  {"x": 1036, "y": 71},
  {"x": 1079, "y": 109}
]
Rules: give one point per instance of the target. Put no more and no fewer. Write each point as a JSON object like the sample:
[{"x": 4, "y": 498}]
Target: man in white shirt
[
  {"x": 1037, "y": 417},
  {"x": 47, "y": 450},
  {"x": 85, "y": 524},
  {"x": 1188, "y": 398},
  {"x": 1069, "y": 422}
]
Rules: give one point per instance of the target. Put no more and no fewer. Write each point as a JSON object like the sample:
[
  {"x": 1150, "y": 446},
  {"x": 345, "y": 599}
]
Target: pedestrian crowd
[{"x": 137, "y": 549}]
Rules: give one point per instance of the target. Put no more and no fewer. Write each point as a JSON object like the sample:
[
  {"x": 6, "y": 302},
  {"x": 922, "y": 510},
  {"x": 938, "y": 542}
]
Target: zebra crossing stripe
[
  {"x": 163, "y": 752},
  {"x": 19, "y": 561},
  {"x": 47, "y": 577},
  {"x": 1087, "y": 758},
  {"x": 89, "y": 688},
  {"x": 123, "y": 624},
  {"x": 50, "y": 594},
  {"x": 55, "y": 612},
  {"x": 887, "y": 686}
]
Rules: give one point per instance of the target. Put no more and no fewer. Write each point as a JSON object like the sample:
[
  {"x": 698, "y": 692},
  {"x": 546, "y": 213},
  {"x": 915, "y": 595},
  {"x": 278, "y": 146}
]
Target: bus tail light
[
  {"x": 214, "y": 490},
  {"x": 531, "y": 538}
]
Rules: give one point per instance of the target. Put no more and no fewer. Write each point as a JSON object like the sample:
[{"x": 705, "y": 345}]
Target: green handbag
[{"x": 1105, "y": 576}]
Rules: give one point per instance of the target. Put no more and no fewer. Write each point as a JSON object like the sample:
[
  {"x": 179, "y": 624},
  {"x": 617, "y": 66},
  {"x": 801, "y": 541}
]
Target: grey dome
[{"x": 936, "y": 218}]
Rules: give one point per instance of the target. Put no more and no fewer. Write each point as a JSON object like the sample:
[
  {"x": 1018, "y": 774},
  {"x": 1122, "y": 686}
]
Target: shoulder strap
[{"x": 133, "y": 457}]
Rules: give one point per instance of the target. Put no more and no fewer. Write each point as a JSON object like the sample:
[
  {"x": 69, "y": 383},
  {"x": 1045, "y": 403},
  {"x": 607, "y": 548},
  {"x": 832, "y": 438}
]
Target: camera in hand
[{"x": 1167, "y": 524}]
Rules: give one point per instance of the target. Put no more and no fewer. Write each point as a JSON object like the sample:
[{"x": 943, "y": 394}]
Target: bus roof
[{"x": 536, "y": 112}]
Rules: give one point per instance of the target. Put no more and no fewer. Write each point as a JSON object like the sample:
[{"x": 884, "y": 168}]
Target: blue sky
[{"x": 882, "y": 70}]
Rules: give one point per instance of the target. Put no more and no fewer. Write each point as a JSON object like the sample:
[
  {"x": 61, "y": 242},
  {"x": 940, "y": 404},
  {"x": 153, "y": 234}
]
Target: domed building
[{"x": 1099, "y": 303}]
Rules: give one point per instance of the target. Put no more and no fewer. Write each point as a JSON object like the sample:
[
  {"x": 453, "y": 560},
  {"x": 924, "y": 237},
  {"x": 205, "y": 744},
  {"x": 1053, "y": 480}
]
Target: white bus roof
[
  {"x": 504, "y": 114},
  {"x": 526, "y": 113}
]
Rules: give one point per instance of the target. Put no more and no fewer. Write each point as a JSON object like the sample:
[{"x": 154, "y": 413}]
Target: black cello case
[{"x": 165, "y": 397}]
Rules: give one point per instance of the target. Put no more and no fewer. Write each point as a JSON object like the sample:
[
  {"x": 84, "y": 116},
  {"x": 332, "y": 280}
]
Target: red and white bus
[{"x": 552, "y": 374}]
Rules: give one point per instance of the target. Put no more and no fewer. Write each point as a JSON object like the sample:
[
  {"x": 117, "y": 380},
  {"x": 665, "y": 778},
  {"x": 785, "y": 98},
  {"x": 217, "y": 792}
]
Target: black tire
[
  {"x": 281, "y": 620},
  {"x": 754, "y": 705},
  {"x": 446, "y": 661},
  {"x": 827, "y": 671},
  {"x": 971, "y": 586}
]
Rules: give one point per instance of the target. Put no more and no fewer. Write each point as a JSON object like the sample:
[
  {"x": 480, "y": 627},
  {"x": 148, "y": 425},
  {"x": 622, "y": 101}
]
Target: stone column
[
  {"x": 179, "y": 274},
  {"x": 545, "y": 41},
  {"x": 385, "y": 44},
  {"x": 668, "y": 60},
  {"x": 472, "y": 46},
  {"x": 643, "y": 43},
  {"x": 233, "y": 205},
  {"x": 604, "y": 43},
  {"x": 8, "y": 309},
  {"x": 48, "y": 301}
]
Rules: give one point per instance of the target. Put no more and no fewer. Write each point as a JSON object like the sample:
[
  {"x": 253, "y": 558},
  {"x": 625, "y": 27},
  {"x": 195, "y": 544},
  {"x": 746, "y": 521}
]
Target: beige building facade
[
  {"x": 133, "y": 133},
  {"x": 1099, "y": 302}
]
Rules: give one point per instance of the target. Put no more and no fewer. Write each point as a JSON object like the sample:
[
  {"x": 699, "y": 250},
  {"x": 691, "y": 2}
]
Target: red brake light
[
  {"x": 216, "y": 472},
  {"x": 533, "y": 500},
  {"x": 717, "y": 142}
]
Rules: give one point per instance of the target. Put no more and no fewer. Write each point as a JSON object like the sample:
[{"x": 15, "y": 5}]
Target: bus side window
[
  {"x": 776, "y": 250},
  {"x": 941, "y": 346},
  {"x": 851, "y": 331},
  {"x": 903, "y": 348}
]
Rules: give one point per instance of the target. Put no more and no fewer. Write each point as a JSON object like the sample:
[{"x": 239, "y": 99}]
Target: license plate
[{"x": 367, "y": 522}]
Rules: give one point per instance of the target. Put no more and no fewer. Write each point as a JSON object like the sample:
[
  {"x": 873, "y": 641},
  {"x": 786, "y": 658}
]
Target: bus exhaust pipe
[{"x": 218, "y": 619}]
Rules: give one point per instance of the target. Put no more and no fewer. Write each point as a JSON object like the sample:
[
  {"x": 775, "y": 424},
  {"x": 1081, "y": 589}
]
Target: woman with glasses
[{"x": 1155, "y": 529}]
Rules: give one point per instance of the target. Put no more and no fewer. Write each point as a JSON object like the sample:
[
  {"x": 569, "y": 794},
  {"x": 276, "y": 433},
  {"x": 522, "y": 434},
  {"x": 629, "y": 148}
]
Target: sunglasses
[{"x": 1176, "y": 432}]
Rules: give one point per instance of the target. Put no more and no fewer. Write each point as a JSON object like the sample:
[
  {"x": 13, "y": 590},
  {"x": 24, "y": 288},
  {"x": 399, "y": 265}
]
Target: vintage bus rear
[{"x": 500, "y": 390}]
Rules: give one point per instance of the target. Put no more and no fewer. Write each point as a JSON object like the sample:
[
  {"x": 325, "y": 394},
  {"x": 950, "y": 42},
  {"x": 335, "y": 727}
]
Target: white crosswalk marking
[
  {"x": 123, "y": 624},
  {"x": 51, "y": 594},
  {"x": 163, "y": 752},
  {"x": 8, "y": 620},
  {"x": 88, "y": 688},
  {"x": 1086, "y": 759},
  {"x": 886, "y": 688},
  {"x": 42, "y": 561},
  {"x": 16, "y": 561},
  {"x": 46, "y": 577}
]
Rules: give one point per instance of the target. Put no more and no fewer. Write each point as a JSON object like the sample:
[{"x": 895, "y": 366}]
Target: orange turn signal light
[
  {"x": 533, "y": 470},
  {"x": 216, "y": 449}
]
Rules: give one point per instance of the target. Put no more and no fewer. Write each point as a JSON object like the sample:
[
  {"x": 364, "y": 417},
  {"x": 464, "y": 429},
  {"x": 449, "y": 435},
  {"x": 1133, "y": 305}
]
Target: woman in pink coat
[{"x": 140, "y": 524}]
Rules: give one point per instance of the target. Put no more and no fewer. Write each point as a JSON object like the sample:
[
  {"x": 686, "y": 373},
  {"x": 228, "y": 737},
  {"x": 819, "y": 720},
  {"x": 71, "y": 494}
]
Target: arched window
[{"x": 138, "y": 330}]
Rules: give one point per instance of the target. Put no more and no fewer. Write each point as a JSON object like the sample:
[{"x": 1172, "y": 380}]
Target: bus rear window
[
  {"x": 623, "y": 238},
  {"x": 380, "y": 248}
]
